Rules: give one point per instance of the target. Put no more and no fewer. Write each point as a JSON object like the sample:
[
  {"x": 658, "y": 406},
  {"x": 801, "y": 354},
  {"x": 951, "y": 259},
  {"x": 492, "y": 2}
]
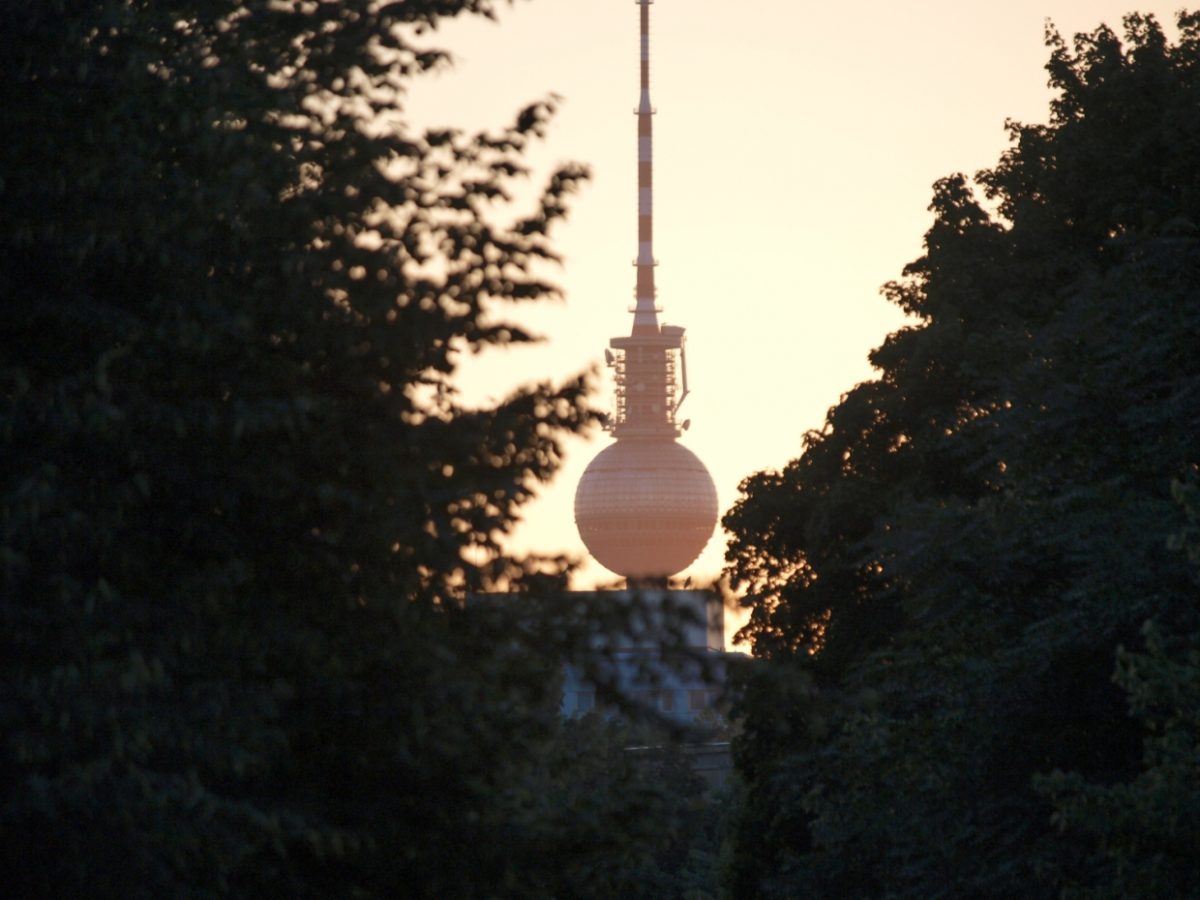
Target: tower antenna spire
[{"x": 645, "y": 311}]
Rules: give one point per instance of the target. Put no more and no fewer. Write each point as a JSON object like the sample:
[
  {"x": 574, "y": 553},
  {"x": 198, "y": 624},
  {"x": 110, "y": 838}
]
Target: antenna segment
[{"x": 645, "y": 313}]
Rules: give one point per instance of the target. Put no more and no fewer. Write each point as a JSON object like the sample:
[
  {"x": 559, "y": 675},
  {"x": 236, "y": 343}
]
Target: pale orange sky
[{"x": 795, "y": 146}]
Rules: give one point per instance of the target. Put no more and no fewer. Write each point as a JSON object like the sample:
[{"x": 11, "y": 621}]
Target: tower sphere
[{"x": 645, "y": 508}]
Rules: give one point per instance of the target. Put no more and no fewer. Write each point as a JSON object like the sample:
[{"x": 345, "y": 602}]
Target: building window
[
  {"x": 585, "y": 701},
  {"x": 666, "y": 701},
  {"x": 697, "y": 700}
]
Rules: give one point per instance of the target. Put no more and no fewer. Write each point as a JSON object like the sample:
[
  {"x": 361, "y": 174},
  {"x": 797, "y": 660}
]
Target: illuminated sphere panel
[{"x": 645, "y": 508}]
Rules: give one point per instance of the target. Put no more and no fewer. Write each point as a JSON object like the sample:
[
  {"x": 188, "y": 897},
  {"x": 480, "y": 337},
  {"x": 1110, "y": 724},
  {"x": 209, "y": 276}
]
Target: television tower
[{"x": 646, "y": 505}]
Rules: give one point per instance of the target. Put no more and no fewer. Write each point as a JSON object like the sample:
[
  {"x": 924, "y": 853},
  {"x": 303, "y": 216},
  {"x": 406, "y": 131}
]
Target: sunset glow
[{"x": 795, "y": 147}]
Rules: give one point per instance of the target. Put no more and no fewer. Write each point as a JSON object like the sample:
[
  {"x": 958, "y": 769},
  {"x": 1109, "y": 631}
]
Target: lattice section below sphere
[{"x": 645, "y": 508}]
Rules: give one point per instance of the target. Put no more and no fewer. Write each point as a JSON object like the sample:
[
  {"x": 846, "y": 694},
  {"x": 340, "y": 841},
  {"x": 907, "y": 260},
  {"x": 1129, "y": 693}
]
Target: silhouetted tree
[
  {"x": 240, "y": 501},
  {"x": 940, "y": 582}
]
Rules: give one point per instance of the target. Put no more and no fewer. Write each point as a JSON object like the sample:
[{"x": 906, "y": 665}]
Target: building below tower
[{"x": 670, "y": 659}]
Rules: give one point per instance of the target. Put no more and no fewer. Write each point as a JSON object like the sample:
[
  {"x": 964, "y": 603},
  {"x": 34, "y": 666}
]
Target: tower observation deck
[{"x": 646, "y": 505}]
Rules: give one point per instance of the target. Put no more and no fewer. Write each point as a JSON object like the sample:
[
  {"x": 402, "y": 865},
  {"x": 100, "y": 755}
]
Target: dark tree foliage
[
  {"x": 940, "y": 583},
  {"x": 240, "y": 501},
  {"x": 622, "y": 814}
]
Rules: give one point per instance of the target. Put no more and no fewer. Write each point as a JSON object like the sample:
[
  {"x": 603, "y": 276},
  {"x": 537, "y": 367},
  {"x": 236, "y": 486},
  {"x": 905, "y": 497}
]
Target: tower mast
[{"x": 645, "y": 314}]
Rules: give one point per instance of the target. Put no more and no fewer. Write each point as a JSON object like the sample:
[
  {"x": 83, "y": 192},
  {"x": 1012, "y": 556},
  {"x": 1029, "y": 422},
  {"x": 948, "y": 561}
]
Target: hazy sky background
[{"x": 795, "y": 147}]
